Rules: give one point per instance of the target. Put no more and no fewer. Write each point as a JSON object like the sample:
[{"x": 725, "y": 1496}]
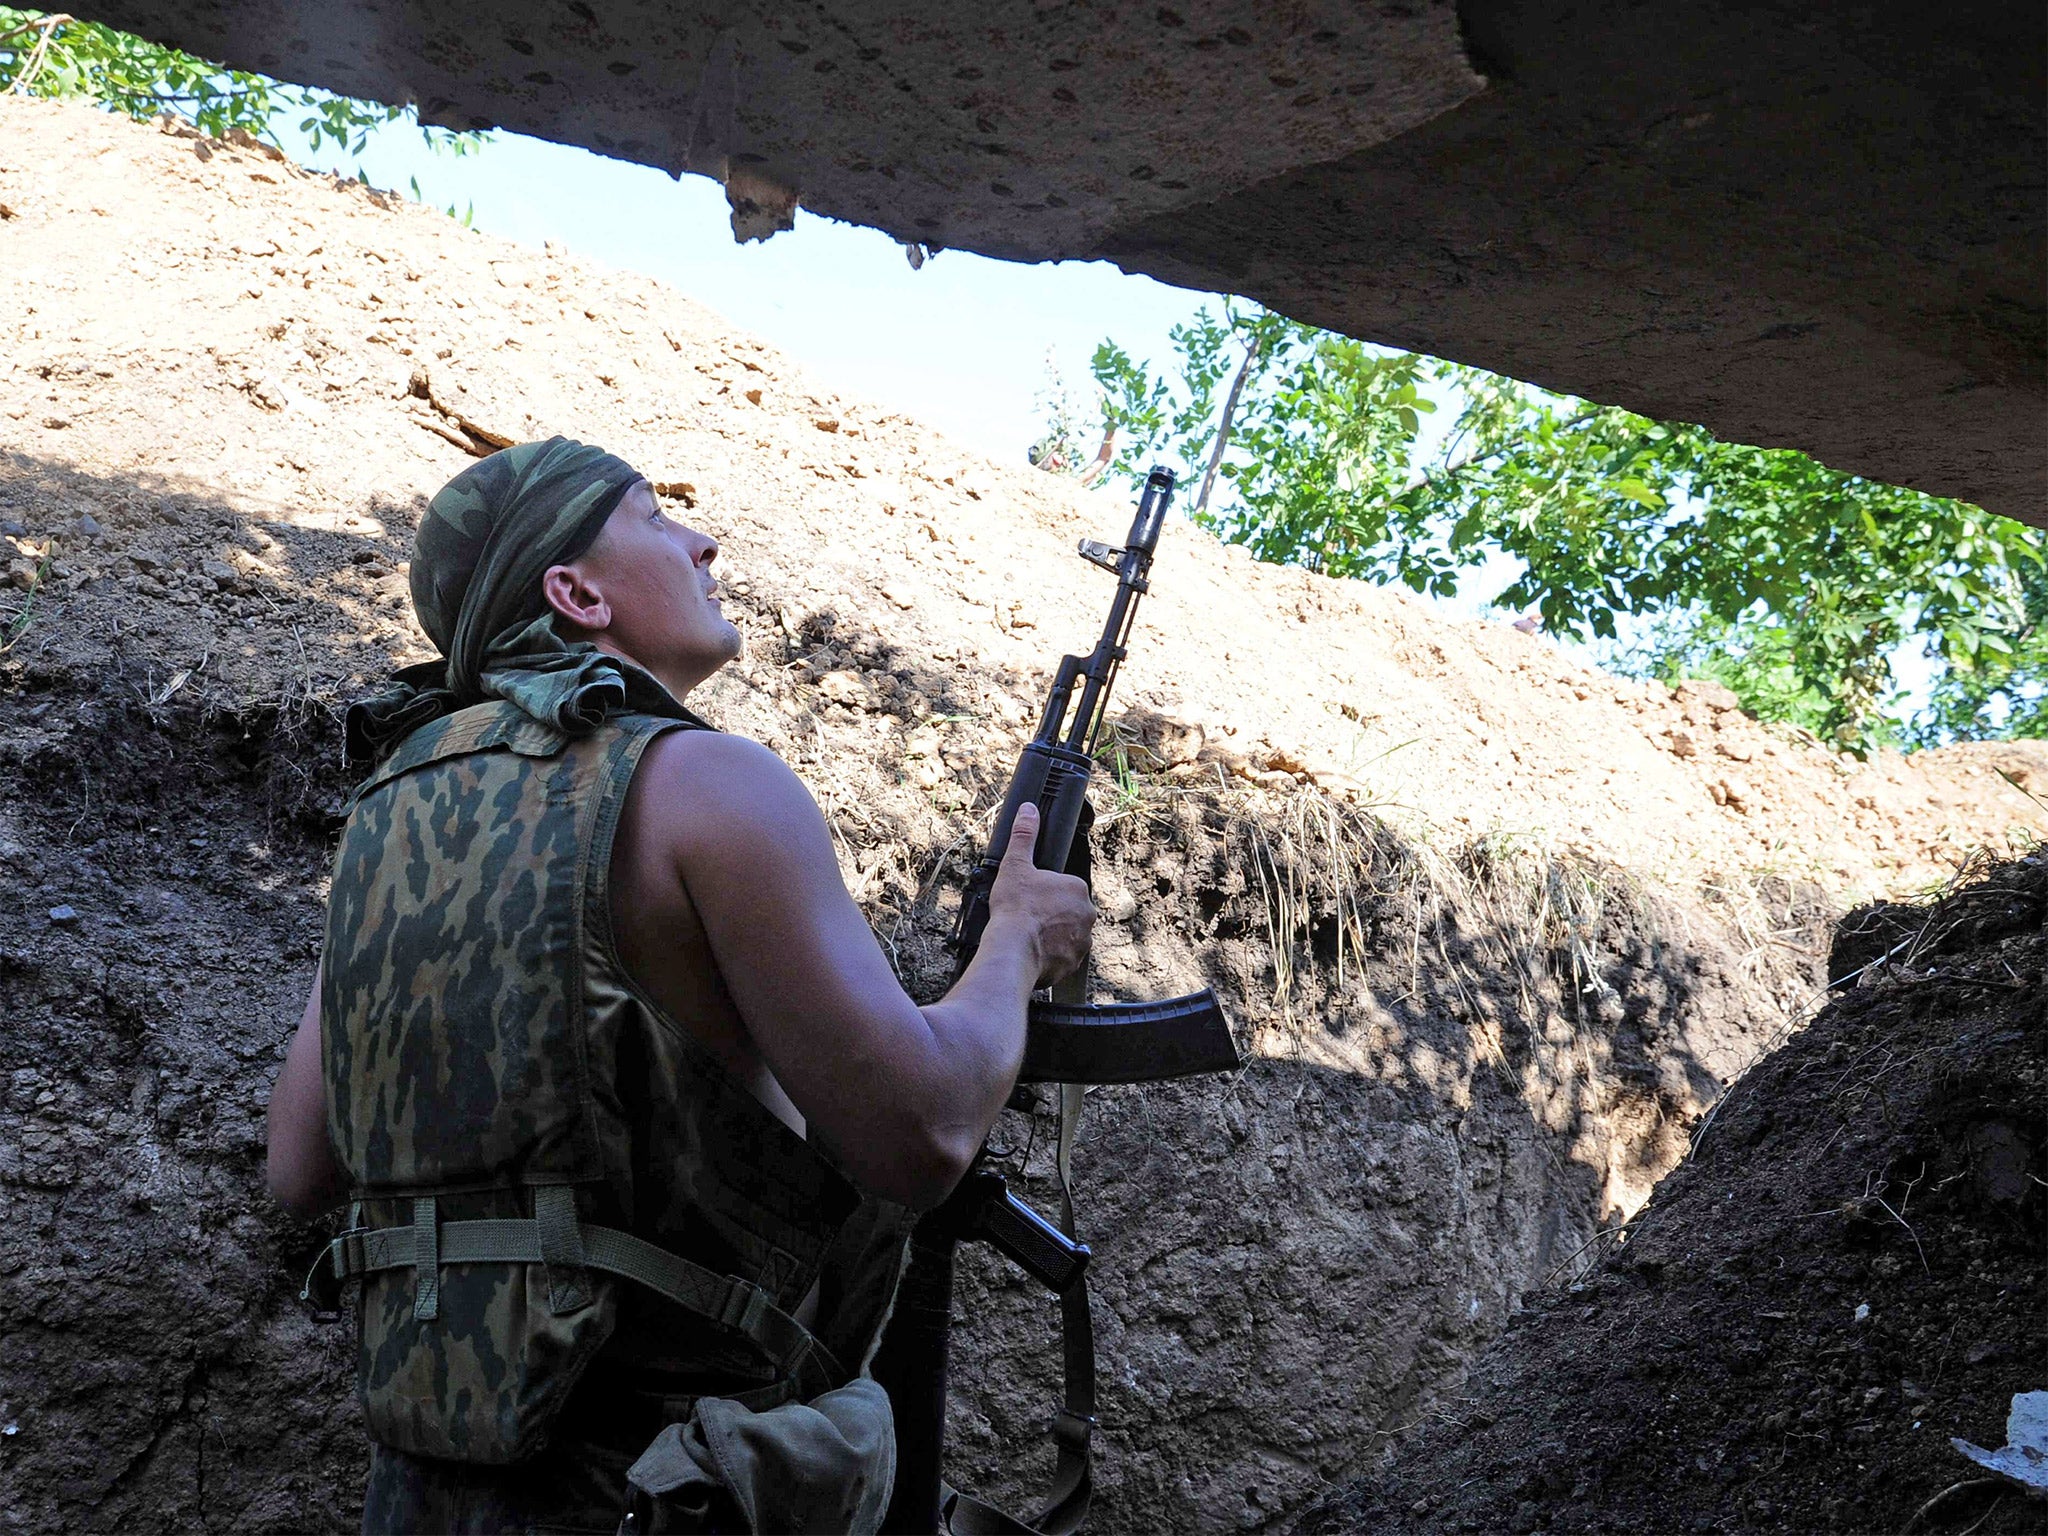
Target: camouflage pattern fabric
[
  {"x": 487, "y": 538},
  {"x": 482, "y": 1039},
  {"x": 490, "y": 532}
]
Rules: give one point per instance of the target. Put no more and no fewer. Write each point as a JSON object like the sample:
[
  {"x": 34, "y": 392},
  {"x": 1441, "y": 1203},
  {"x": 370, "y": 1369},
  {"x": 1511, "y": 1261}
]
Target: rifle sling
[{"x": 1073, "y": 1426}]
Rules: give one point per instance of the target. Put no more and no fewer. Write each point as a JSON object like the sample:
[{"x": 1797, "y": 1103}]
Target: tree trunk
[{"x": 1223, "y": 429}]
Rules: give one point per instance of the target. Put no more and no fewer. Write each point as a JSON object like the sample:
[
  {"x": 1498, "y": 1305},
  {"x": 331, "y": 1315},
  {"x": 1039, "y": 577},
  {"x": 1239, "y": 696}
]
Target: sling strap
[
  {"x": 1073, "y": 1424},
  {"x": 1073, "y": 1428},
  {"x": 725, "y": 1300}
]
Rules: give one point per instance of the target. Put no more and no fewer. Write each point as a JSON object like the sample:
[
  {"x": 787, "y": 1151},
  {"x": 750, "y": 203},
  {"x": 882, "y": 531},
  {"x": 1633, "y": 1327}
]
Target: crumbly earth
[
  {"x": 1494, "y": 929},
  {"x": 1847, "y": 1273}
]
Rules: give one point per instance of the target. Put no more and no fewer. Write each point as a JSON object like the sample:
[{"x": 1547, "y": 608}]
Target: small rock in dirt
[
  {"x": 2023, "y": 1459},
  {"x": 1682, "y": 743},
  {"x": 64, "y": 917},
  {"x": 1715, "y": 696},
  {"x": 1171, "y": 742},
  {"x": 87, "y": 527},
  {"x": 843, "y": 687},
  {"x": 13, "y": 530},
  {"x": 1862, "y": 1311}
]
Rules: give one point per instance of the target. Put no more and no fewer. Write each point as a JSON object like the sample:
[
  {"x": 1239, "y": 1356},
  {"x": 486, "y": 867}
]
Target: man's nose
[{"x": 709, "y": 552}]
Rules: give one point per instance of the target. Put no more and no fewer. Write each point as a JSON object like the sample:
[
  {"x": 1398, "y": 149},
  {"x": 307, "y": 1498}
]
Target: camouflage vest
[{"x": 546, "y": 1167}]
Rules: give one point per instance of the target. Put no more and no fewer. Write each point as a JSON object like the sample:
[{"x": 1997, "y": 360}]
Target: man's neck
[{"x": 677, "y": 686}]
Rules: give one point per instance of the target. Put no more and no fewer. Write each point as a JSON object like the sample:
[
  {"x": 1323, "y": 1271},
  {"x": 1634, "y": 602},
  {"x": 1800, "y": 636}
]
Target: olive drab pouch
[
  {"x": 468, "y": 1358},
  {"x": 825, "y": 1466}
]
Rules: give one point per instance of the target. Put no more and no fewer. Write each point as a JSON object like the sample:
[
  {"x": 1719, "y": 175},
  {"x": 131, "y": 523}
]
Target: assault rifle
[{"x": 1070, "y": 1042}]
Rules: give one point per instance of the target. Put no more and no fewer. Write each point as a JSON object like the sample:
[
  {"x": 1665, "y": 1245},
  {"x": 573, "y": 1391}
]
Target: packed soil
[
  {"x": 1846, "y": 1273},
  {"x": 1495, "y": 930}
]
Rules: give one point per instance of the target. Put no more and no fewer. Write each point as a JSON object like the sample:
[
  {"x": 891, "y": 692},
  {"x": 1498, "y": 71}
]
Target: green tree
[
  {"x": 1793, "y": 583},
  {"x": 49, "y": 54}
]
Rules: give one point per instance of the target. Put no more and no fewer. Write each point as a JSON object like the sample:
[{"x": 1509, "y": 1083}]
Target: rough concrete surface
[
  {"x": 1815, "y": 227},
  {"x": 1494, "y": 929}
]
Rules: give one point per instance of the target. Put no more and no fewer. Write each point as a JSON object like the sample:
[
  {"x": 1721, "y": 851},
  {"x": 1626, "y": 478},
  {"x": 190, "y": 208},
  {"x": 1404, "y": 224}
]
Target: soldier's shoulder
[{"x": 716, "y": 765}]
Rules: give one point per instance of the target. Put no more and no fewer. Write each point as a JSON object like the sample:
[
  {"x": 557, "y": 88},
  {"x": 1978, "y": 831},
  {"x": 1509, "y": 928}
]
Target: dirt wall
[{"x": 1846, "y": 1274}]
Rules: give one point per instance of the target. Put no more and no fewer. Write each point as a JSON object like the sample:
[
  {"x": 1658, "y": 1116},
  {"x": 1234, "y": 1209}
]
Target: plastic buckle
[
  {"x": 1072, "y": 1431},
  {"x": 744, "y": 1306}
]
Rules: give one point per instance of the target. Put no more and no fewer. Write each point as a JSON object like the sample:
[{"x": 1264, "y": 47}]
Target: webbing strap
[
  {"x": 425, "y": 1232},
  {"x": 1071, "y": 1095},
  {"x": 561, "y": 1247},
  {"x": 1073, "y": 1424},
  {"x": 724, "y": 1299},
  {"x": 1070, "y": 990},
  {"x": 1073, "y": 1430}
]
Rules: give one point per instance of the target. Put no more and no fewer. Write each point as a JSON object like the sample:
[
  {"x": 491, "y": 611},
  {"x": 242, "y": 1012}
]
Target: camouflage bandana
[{"x": 488, "y": 537}]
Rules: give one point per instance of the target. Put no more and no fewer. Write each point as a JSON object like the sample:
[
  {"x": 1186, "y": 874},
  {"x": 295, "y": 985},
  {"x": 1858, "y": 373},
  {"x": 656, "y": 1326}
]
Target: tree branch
[
  {"x": 1455, "y": 467},
  {"x": 1100, "y": 467},
  {"x": 47, "y": 27},
  {"x": 1251, "y": 356}
]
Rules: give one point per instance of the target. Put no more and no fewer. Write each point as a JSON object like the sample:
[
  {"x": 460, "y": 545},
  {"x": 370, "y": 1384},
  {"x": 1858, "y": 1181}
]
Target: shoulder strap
[{"x": 479, "y": 728}]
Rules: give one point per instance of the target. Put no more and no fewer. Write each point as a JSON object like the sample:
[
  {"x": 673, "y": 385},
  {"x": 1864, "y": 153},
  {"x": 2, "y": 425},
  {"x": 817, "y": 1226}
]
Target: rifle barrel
[{"x": 1101, "y": 667}]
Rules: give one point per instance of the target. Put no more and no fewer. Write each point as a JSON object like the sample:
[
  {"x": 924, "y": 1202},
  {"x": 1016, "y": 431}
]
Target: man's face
[{"x": 644, "y": 589}]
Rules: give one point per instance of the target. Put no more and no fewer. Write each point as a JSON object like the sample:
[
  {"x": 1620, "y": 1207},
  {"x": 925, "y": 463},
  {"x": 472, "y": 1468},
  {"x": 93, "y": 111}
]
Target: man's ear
[{"x": 574, "y": 597}]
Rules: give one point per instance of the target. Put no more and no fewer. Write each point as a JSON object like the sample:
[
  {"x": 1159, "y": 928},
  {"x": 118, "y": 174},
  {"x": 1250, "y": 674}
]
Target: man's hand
[{"x": 1051, "y": 912}]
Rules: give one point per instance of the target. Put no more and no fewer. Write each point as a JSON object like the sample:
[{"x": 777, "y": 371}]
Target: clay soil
[
  {"x": 1846, "y": 1273},
  {"x": 1495, "y": 930}
]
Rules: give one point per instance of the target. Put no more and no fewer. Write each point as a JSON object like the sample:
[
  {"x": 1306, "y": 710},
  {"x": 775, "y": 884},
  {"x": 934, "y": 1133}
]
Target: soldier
[{"x": 630, "y": 1109}]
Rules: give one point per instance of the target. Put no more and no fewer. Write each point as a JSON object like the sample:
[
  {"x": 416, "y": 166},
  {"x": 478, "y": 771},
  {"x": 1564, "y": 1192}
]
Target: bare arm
[
  {"x": 304, "y": 1176},
  {"x": 905, "y": 1095}
]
